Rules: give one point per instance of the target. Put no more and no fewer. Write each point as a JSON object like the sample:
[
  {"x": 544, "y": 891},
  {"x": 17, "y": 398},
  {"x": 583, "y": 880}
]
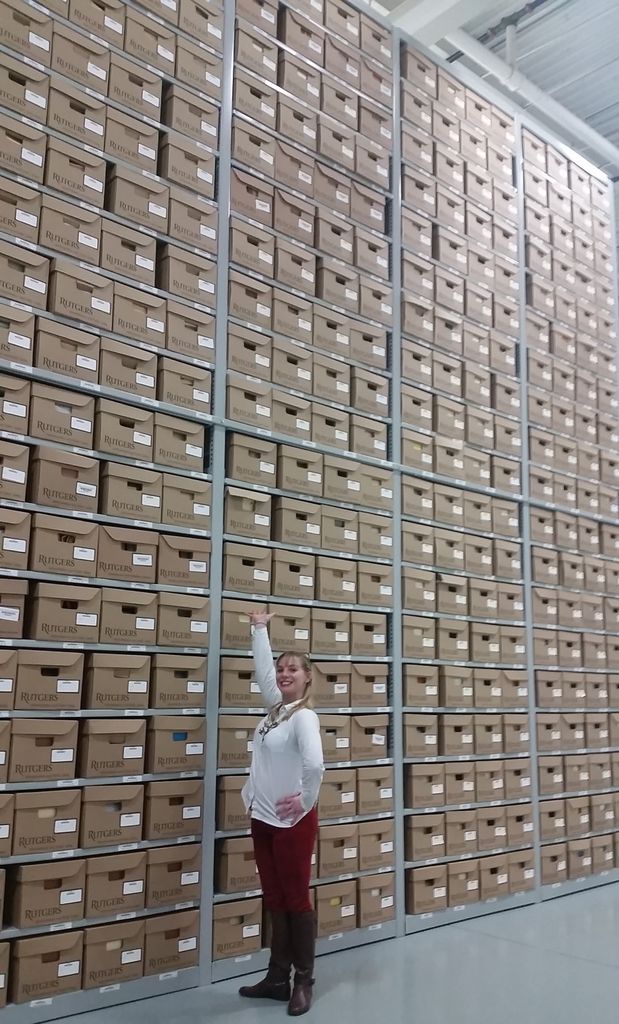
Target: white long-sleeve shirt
[{"x": 288, "y": 758}]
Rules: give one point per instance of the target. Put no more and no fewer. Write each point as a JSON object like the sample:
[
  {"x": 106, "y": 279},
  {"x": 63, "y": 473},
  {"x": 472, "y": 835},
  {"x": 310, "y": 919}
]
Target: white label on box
[
  {"x": 130, "y": 820},
  {"x": 137, "y": 686},
  {"x": 13, "y": 544},
  {"x": 190, "y": 877},
  {"x": 301, "y": 634},
  {"x": 93, "y": 126},
  {"x": 131, "y": 956},
  {"x": 101, "y": 305},
  {"x": 195, "y": 686},
  {"x": 67, "y": 686},
  {"x": 132, "y": 752},
  {"x": 348, "y": 586},
  {"x": 350, "y": 852},
  {"x": 84, "y": 554},
  {"x": 31, "y": 158},
  {"x": 251, "y": 930},
  {"x": 185, "y": 945},
  {"x": 341, "y": 637},
  {"x": 69, "y": 968},
  {"x": 378, "y": 740},
  {"x": 71, "y": 896},
  {"x": 342, "y": 742},
  {"x": 306, "y": 581},
  {"x": 133, "y": 888},
  {"x": 143, "y": 622},
  {"x": 194, "y": 748},
  {"x": 23, "y": 217},
  {"x": 9, "y": 614},
  {"x": 62, "y": 755},
  {"x": 6, "y": 685},
  {"x": 261, "y": 575},
  {"x": 63, "y": 826},
  {"x": 198, "y": 626},
  {"x": 437, "y": 841}
]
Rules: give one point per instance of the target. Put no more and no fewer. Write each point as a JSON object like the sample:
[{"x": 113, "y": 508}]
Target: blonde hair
[{"x": 305, "y": 663}]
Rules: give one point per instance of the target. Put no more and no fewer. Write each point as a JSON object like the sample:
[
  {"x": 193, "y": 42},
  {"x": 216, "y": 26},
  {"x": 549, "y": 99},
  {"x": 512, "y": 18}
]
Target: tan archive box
[
  {"x": 338, "y": 850},
  {"x": 172, "y": 942},
  {"x": 128, "y": 369},
  {"x": 231, "y": 813},
  {"x": 115, "y": 681},
  {"x": 12, "y": 603},
  {"x": 237, "y": 928},
  {"x": 173, "y": 809},
  {"x": 48, "y": 680},
  {"x": 338, "y": 793},
  {"x": 369, "y": 737},
  {"x": 186, "y": 502},
  {"x": 128, "y": 492},
  {"x": 238, "y": 687},
  {"x": 115, "y": 884},
  {"x": 248, "y": 513},
  {"x": 336, "y": 907},
  {"x": 62, "y": 479},
  {"x": 17, "y": 331},
  {"x": 46, "y": 966},
  {"x": 43, "y": 821},
  {"x": 375, "y": 790},
  {"x": 7, "y": 809},
  {"x": 113, "y": 953},
  {"x": 111, "y": 815},
  {"x": 66, "y": 546},
  {"x": 335, "y": 733},
  {"x": 178, "y": 681},
  {"x": 62, "y": 416},
  {"x": 173, "y": 875},
  {"x": 128, "y": 616},
  {"x": 183, "y": 620},
  {"x": 126, "y": 555},
  {"x": 42, "y": 750},
  {"x": 14, "y": 539},
  {"x": 112, "y": 747},
  {"x": 68, "y": 352},
  {"x": 376, "y": 845},
  {"x": 8, "y": 679},
  {"x": 13, "y": 469},
  {"x": 236, "y": 869},
  {"x": 175, "y": 744},
  {"x": 236, "y": 736},
  {"x": 183, "y": 561},
  {"x": 47, "y": 894}
]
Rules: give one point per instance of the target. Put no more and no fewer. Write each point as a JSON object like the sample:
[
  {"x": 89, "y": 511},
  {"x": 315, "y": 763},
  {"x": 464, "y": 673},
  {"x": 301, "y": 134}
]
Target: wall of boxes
[{"x": 381, "y": 401}]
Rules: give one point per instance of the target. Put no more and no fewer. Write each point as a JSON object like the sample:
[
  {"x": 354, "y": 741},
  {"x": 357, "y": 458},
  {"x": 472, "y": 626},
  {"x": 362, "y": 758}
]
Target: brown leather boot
[
  {"x": 276, "y": 982},
  {"x": 303, "y": 934}
]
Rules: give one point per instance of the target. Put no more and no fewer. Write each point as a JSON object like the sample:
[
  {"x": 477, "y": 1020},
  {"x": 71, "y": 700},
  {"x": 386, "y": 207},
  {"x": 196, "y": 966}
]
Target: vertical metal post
[
  {"x": 218, "y": 456},
  {"x": 525, "y": 511},
  {"x": 396, "y": 447}
]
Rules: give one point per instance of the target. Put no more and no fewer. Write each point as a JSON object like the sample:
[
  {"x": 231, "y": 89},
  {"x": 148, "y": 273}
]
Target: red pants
[{"x": 284, "y": 861}]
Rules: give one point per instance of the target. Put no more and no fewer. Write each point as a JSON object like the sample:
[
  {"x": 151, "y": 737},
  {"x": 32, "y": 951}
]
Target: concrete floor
[{"x": 553, "y": 963}]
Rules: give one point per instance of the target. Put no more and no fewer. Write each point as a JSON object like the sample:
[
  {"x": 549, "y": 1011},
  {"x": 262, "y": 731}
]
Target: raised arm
[{"x": 263, "y": 659}]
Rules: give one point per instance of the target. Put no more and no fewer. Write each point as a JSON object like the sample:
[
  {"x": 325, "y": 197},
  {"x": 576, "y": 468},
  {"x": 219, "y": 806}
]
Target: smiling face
[{"x": 293, "y": 677}]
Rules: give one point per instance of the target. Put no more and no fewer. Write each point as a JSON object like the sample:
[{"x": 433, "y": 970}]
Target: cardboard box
[
  {"x": 369, "y": 685},
  {"x": 246, "y": 568},
  {"x": 336, "y": 907},
  {"x": 188, "y": 276},
  {"x": 8, "y": 679},
  {"x": 115, "y": 884},
  {"x": 369, "y": 737},
  {"x": 128, "y": 369},
  {"x": 193, "y": 220},
  {"x": 249, "y": 353},
  {"x": 62, "y": 545},
  {"x": 420, "y": 735},
  {"x": 139, "y": 315},
  {"x": 178, "y": 681},
  {"x": 22, "y": 149},
  {"x": 63, "y": 231},
  {"x": 131, "y": 492},
  {"x": 186, "y": 502},
  {"x": 64, "y": 351},
  {"x": 236, "y": 740},
  {"x": 336, "y": 580},
  {"x": 117, "y": 681},
  {"x": 420, "y": 686},
  {"x": 75, "y": 172},
  {"x": 238, "y": 687},
  {"x": 42, "y": 750},
  {"x": 231, "y": 813},
  {"x": 173, "y": 809},
  {"x": 376, "y": 845},
  {"x": 140, "y": 90},
  {"x": 331, "y": 631},
  {"x": 17, "y": 329},
  {"x": 237, "y": 928},
  {"x": 48, "y": 680},
  {"x": 426, "y": 890},
  {"x": 173, "y": 875},
  {"x": 342, "y": 480},
  {"x": 128, "y": 616},
  {"x": 425, "y": 837},
  {"x": 235, "y": 631},
  {"x": 113, "y": 953},
  {"x": 129, "y": 555},
  {"x": 424, "y": 785},
  {"x": 47, "y": 966},
  {"x": 236, "y": 866},
  {"x": 111, "y": 815},
  {"x": 175, "y": 744},
  {"x": 184, "y": 161},
  {"x": 189, "y": 331},
  {"x": 26, "y": 95},
  {"x": 14, "y": 405},
  {"x": 124, "y": 431},
  {"x": 90, "y": 302},
  {"x": 179, "y": 443},
  {"x": 44, "y": 821},
  {"x": 335, "y": 734},
  {"x": 337, "y": 850},
  {"x": 183, "y": 620},
  {"x": 182, "y": 562},
  {"x": 338, "y": 793},
  {"x": 14, "y": 539},
  {"x": 112, "y": 748},
  {"x": 12, "y": 602},
  {"x": 491, "y": 828},
  {"x": 456, "y": 735},
  {"x": 20, "y": 209},
  {"x": 134, "y": 198},
  {"x": 291, "y": 630},
  {"x": 47, "y": 894},
  {"x": 375, "y": 584},
  {"x": 172, "y": 942},
  {"x": 297, "y": 522}
]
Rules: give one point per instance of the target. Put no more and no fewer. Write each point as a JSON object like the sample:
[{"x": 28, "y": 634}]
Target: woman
[{"x": 281, "y": 794}]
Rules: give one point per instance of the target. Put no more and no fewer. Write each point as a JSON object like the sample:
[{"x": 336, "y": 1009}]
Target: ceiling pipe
[
  {"x": 510, "y": 46},
  {"x": 536, "y": 97}
]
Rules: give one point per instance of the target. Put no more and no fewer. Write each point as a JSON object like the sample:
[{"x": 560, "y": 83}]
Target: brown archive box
[
  {"x": 111, "y": 815},
  {"x": 173, "y": 875},
  {"x": 66, "y": 351},
  {"x": 80, "y": 295},
  {"x": 47, "y": 894},
  {"x": 128, "y": 252},
  {"x": 128, "y": 616},
  {"x": 42, "y": 750},
  {"x": 115, "y": 884},
  {"x": 175, "y": 744},
  {"x": 23, "y": 275},
  {"x": 172, "y": 942},
  {"x": 338, "y": 850},
  {"x": 22, "y": 148},
  {"x": 331, "y": 684},
  {"x": 48, "y": 679},
  {"x": 14, "y": 539},
  {"x": 330, "y": 631},
  {"x": 66, "y": 546},
  {"x": 178, "y": 681},
  {"x": 376, "y": 900},
  {"x": 13, "y": 470},
  {"x": 16, "y": 333},
  {"x": 335, "y": 734},
  {"x": 231, "y": 813},
  {"x": 126, "y": 555},
  {"x": 123, "y": 431},
  {"x": 236, "y": 866},
  {"x": 338, "y": 793},
  {"x": 368, "y": 738},
  {"x": 179, "y": 443},
  {"x": 7, "y": 809},
  {"x": 173, "y": 809},
  {"x": 64, "y": 480},
  {"x": 184, "y": 562},
  {"x": 237, "y": 928},
  {"x": 8, "y": 679},
  {"x": 248, "y": 513},
  {"x": 5, "y": 743},
  {"x": 45, "y": 821},
  {"x": 117, "y": 681},
  {"x": 74, "y": 172},
  {"x": 12, "y": 602},
  {"x": 62, "y": 416},
  {"x": 336, "y": 907},
  {"x": 129, "y": 492},
  {"x": 112, "y": 747},
  {"x": 186, "y": 502},
  {"x": 183, "y": 620},
  {"x": 128, "y": 369},
  {"x": 236, "y": 736},
  {"x": 14, "y": 404},
  {"x": 72, "y": 232},
  {"x": 376, "y": 844},
  {"x": 113, "y": 953},
  {"x": 47, "y": 966},
  {"x": 20, "y": 209},
  {"x": 5, "y": 950}
]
